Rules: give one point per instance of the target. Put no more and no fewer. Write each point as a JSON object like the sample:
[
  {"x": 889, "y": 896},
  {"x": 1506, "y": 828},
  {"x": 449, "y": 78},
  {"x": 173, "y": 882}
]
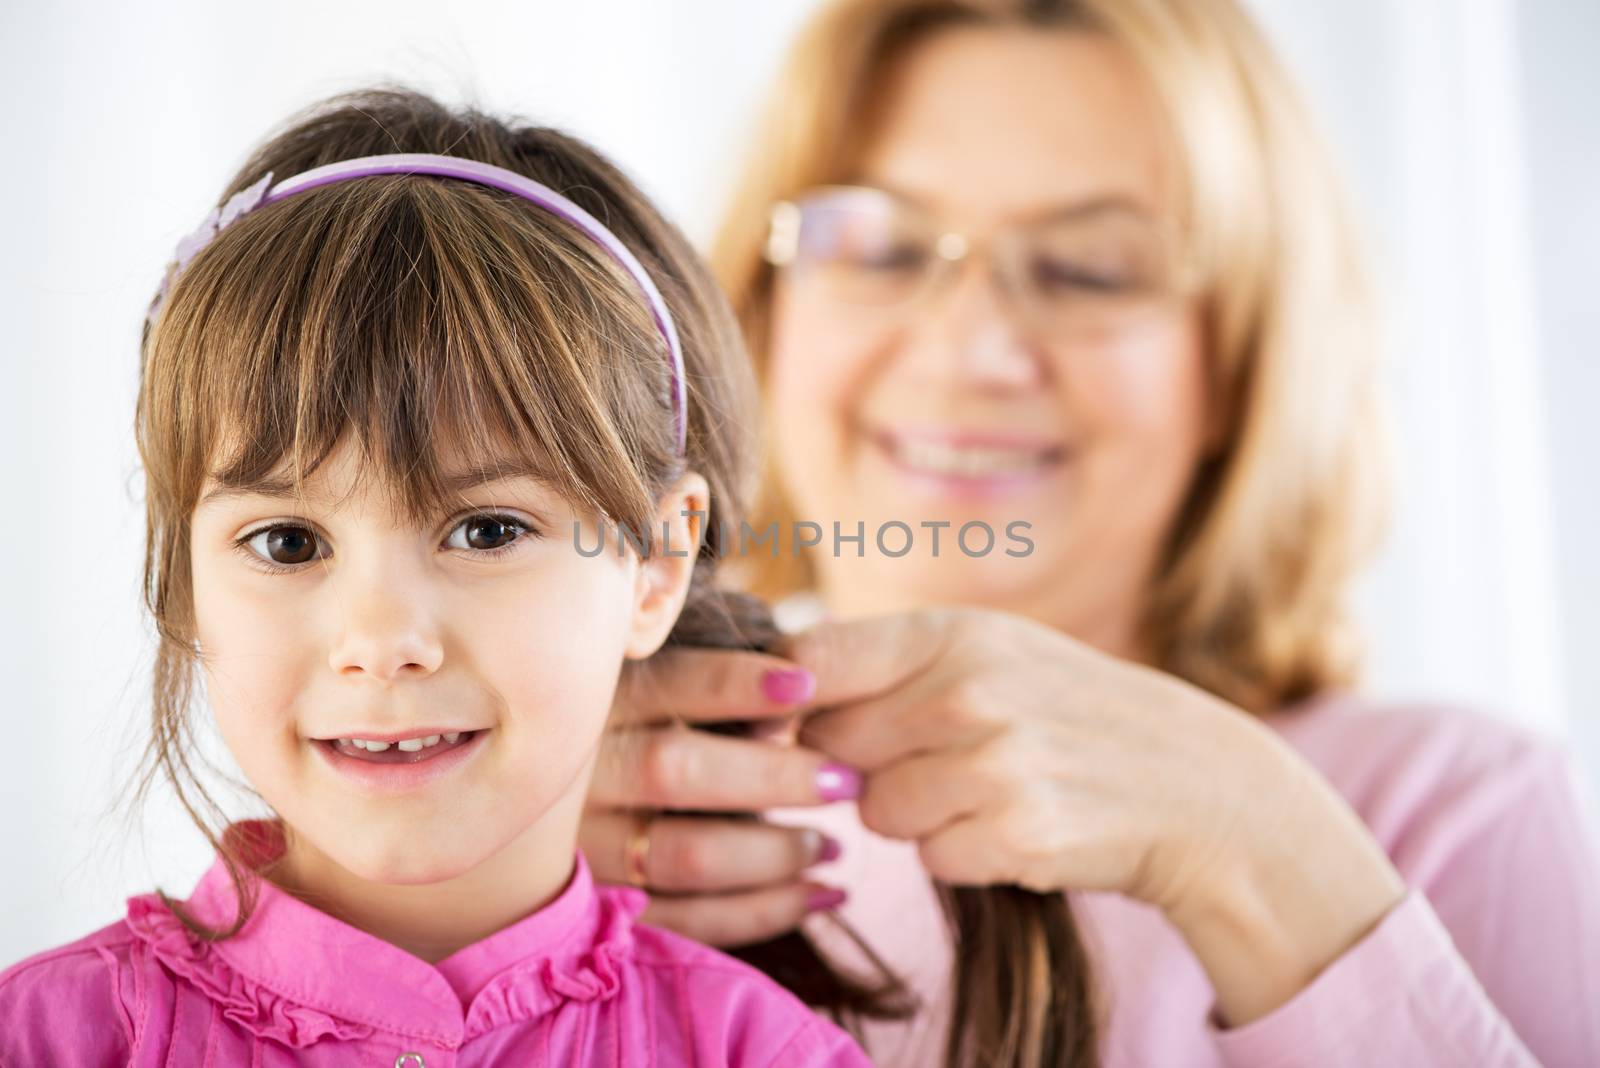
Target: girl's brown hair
[
  {"x": 408, "y": 310},
  {"x": 1249, "y": 599}
]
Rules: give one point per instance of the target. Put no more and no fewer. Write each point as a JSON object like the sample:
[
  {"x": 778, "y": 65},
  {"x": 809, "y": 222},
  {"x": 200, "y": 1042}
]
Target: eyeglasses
[{"x": 1071, "y": 274}]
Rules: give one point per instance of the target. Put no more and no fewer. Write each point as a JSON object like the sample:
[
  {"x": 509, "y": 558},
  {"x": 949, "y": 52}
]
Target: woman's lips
[{"x": 970, "y": 463}]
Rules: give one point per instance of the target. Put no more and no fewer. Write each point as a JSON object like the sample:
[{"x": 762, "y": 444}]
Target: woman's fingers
[
  {"x": 678, "y": 767},
  {"x": 919, "y": 794},
  {"x": 709, "y": 685},
  {"x": 862, "y": 658},
  {"x": 729, "y": 920},
  {"x": 722, "y": 882},
  {"x": 700, "y": 853}
]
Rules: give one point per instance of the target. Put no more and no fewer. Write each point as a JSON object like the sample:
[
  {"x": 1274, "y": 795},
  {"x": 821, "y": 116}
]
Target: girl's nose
[{"x": 385, "y": 631}]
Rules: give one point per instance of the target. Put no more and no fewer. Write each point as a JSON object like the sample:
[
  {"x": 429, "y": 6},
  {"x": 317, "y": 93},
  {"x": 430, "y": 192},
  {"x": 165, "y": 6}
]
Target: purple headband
[{"x": 263, "y": 192}]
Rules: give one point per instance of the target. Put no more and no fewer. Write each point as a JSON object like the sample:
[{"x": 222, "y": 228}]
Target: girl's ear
[{"x": 662, "y": 581}]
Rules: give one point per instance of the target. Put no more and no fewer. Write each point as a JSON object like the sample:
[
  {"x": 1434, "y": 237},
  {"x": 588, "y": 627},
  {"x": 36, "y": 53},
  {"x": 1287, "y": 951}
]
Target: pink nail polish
[
  {"x": 831, "y": 849},
  {"x": 789, "y": 686},
  {"x": 825, "y": 899},
  {"x": 838, "y": 782}
]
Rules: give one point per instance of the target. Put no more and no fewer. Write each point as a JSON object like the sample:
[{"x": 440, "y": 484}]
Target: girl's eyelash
[{"x": 241, "y": 544}]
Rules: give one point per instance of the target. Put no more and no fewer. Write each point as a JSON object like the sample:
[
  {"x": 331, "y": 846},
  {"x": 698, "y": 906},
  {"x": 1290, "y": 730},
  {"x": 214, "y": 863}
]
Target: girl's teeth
[{"x": 409, "y": 745}]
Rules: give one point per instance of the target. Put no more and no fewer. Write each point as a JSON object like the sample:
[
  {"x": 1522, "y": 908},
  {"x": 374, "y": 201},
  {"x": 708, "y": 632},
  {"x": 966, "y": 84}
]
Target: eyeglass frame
[{"x": 780, "y": 248}]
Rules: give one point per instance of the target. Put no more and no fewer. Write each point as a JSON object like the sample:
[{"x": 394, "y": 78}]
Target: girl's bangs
[{"x": 428, "y": 319}]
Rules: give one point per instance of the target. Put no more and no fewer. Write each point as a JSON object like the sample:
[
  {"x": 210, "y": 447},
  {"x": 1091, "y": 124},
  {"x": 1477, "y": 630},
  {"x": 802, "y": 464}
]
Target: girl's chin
[{"x": 408, "y": 868}]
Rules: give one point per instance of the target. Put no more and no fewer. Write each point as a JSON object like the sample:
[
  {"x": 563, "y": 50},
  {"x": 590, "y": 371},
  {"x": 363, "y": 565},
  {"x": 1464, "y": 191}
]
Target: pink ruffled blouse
[{"x": 578, "y": 982}]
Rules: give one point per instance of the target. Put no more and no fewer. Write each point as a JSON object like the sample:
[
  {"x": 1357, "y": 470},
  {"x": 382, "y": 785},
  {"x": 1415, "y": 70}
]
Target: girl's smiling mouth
[
  {"x": 400, "y": 763},
  {"x": 411, "y": 748}
]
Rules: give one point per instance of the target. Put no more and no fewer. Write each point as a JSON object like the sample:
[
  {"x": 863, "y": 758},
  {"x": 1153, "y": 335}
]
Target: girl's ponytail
[
  {"x": 1023, "y": 997},
  {"x": 716, "y": 618}
]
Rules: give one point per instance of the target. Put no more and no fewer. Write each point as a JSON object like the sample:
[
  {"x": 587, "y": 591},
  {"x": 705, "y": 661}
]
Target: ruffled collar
[{"x": 296, "y": 974}]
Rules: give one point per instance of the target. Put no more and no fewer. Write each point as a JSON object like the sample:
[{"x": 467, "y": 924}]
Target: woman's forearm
[{"x": 1296, "y": 884}]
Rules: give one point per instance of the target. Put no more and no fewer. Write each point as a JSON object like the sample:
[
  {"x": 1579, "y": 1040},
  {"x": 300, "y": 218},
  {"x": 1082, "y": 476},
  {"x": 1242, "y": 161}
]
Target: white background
[{"x": 1471, "y": 129}]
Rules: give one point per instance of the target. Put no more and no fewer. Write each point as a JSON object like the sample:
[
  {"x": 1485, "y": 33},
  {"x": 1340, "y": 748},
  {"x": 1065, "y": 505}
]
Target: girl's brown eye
[
  {"x": 494, "y": 532},
  {"x": 491, "y": 535},
  {"x": 289, "y": 545},
  {"x": 286, "y": 547}
]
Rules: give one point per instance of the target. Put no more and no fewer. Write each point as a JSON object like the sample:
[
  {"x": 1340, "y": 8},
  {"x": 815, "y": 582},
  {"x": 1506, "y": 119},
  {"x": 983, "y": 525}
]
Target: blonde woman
[{"x": 1079, "y": 275}]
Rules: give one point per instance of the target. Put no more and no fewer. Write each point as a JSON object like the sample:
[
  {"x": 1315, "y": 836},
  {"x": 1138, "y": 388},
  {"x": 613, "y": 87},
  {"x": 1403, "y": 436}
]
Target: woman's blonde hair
[{"x": 1248, "y": 601}]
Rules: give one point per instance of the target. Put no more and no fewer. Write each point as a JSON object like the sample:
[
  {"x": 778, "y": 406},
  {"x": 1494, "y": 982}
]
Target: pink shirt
[
  {"x": 1492, "y": 957},
  {"x": 576, "y": 983}
]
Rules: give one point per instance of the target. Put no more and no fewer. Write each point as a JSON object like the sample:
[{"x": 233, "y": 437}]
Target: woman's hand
[
  {"x": 725, "y": 881},
  {"x": 1013, "y": 754}
]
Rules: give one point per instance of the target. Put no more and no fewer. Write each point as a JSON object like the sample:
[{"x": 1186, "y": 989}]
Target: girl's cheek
[{"x": 546, "y": 642}]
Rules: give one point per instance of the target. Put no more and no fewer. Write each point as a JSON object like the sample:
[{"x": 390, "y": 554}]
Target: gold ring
[{"x": 637, "y": 848}]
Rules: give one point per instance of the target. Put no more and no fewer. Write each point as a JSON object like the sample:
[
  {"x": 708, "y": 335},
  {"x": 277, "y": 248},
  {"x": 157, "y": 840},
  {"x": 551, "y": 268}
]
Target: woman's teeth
[
  {"x": 409, "y": 745},
  {"x": 968, "y": 461}
]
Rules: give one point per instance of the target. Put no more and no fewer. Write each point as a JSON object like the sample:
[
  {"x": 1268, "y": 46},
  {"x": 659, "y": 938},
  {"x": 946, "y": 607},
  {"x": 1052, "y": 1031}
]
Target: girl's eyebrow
[{"x": 281, "y": 487}]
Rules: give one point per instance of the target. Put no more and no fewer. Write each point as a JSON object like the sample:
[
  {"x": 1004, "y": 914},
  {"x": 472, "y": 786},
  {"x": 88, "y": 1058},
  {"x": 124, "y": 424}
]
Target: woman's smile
[{"x": 962, "y": 464}]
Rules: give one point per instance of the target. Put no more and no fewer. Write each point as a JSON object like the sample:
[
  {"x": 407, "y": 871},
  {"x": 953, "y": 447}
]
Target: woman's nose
[
  {"x": 970, "y": 331},
  {"x": 387, "y": 626}
]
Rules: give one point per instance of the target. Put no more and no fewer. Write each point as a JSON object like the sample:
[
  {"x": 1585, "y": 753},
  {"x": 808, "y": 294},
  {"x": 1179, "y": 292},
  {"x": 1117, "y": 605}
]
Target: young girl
[{"x": 394, "y": 392}]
